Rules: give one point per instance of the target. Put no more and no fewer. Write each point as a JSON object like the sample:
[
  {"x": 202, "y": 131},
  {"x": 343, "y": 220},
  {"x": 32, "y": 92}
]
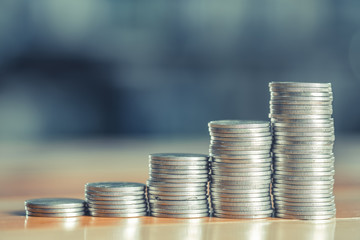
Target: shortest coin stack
[
  {"x": 116, "y": 199},
  {"x": 55, "y": 207},
  {"x": 178, "y": 185}
]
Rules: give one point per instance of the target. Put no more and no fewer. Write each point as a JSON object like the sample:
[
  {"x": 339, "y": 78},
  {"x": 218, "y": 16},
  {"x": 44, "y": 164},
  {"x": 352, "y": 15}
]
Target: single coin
[
  {"x": 302, "y": 94},
  {"x": 216, "y": 172},
  {"x": 175, "y": 189},
  {"x": 240, "y": 143},
  {"x": 107, "y": 198},
  {"x": 241, "y": 140},
  {"x": 238, "y": 153},
  {"x": 116, "y": 202},
  {"x": 55, "y": 203},
  {"x": 254, "y": 212},
  {"x": 119, "y": 215},
  {"x": 283, "y": 208},
  {"x": 240, "y": 182},
  {"x": 178, "y": 156},
  {"x": 240, "y": 191},
  {"x": 238, "y": 124},
  {"x": 180, "y": 176},
  {"x": 179, "y": 163},
  {"x": 242, "y": 199},
  {"x": 189, "y": 215},
  {"x": 244, "y": 158},
  {"x": 249, "y": 186},
  {"x": 127, "y": 206},
  {"x": 60, "y": 215},
  {"x": 180, "y": 207},
  {"x": 245, "y": 170},
  {"x": 306, "y": 213},
  {"x": 240, "y": 204},
  {"x": 55, "y": 210},
  {"x": 242, "y": 209},
  {"x": 163, "y": 193},
  {"x": 177, "y": 171},
  {"x": 257, "y": 216},
  {"x": 301, "y": 191},
  {"x": 117, "y": 211},
  {"x": 304, "y": 157},
  {"x": 308, "y": 168},
  {"x": 113, "y": 193},
  {"x": 177, "y": 198},
  {"x": 115, "y": 186},
  {"x": 323, "y": 217},
  {"x": 239, "y": 195},
  {"x": 300, "y": 102},
  {"x": 176, "y": 184},
  {"x": 309, "y": 199},
  {"x": 328, "y": 124},
  {"x": 241, "y": 148},
  {"x": 305, "y": 183},
  {"x": 179, "y": 167},
  {"x": 302, "y": 187},
  {"x": 179, "y": 211},
  {"x": 184, "y": 180},
  {"x": 240, "y": 166},
  {"x": 247, "y": 178},
  {"x": 241, "y": 135},
  {"x": 300, "y": 84},
  {"x": 304, "y": 204},
  {"x": 239, "y": 130},
  {"x": 194, "y": 203},
  {"x": 304, "y": 173}
]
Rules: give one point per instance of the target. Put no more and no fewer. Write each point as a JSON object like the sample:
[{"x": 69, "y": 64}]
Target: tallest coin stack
[{"x": 303, "y": 141}]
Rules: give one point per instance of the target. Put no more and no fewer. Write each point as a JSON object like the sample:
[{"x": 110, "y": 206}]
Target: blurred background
[{"x": 102, "y": 69}]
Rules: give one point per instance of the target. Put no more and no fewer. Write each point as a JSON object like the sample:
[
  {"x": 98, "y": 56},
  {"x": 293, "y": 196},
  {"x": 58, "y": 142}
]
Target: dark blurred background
[{"x": 91, "y": 68}]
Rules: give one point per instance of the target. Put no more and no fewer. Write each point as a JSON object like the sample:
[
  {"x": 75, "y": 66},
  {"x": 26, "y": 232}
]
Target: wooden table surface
[{"x": 60, "y": 169}]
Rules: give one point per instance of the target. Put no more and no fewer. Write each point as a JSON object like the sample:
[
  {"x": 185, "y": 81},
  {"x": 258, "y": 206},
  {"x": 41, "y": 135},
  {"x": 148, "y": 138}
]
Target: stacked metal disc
[
  {"x": 178, "y": 185},
  {"x": 116, "y": 199},
  {"x": 303, "y": 150},
  {"x": 55, "y": 207},
  {"x": 240, "y": 169}
]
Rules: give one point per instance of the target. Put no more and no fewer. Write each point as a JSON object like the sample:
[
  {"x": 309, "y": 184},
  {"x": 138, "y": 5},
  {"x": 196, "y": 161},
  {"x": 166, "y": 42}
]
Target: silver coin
[
  {"x": 301, "y": 191},
  {"x": 241, "y": 135},
  {"x": 239, "y": 195},
  {"x": 303, "y": 138},
  {"x": 300, "y": 85},
  {"x": 300, "y": 124},
  {"x": 302, "y": 187},
  {"x": 219, "y": 170},
  {"x": 304, "y": 157},
  {"x": 306, "y": 183},
  {"x": 304, "y": 162},
  {"x": 293, "y": 88},
  {"x": 309, "y": 168},
  {"x": 241, "y": 148},
  {"x": 240, "y": 144},
  {"x": 302, "y": 94},
  {"x": 189, "y": 215},
  {"x": 239, "y": 130},
  {"x": 176, "y": 184},
  {"x": 116, "y": 202},
  {"x": 306, "y": 213},
  {"x": 128, "y": 206},
  {"x": 240, "y": 213},
  {"x": 242, "y": 199},
  {"x": 55, "y": 203},
  {"x": 241, "y": 140},
  {"x": 303, "y": 134},
  {"x": 312, "y": 199},
  {"x": 300, "y": 103},
  {"x": 300, "y": 112},
  {"x": 237, "y": 153},
  {"x": 117, "y": 211},
  {"x": 55, "y": 210},
  {"x": 163, "y": 193},
  {"x": 242, "y": 166},
  {"x": 240, "y": 191},
  {"x": 238, "y": 124},
  {"x": 177, "y": 172},
  {"x": 240, "y": 187},
  {"x": 119, "y": 215},
  {"x": 241, "y": 204},
  {"x": 243, "y": 209},
  {"x": 177, "y": 176},
  {"x": 247, "y": 178},
  {"x": 179, "y": 167},
  {"x": 303, "y": 143},
  {"x": 303, "y": 178},
  {"x": 193, "y": 203},
  {"x": 304, "y": 129},
  {"x": 60, "y": 215},
  {"x": 257, "y": 216},
  {"x": 240, "y": 182},
  {"x": 175, "y": 189},
  {"x": 115, "y": 186},
  {"x": 114, "y": 198},
  {"x": 240, "y": 174},
  {"x": 323, "y": 217},
  {"x": 113, "y": 194},
  {"x": 302, "y": 195},
  {"x": 304, "y": 147},
  {"x": 243, "y": 158},
  {"x": 180, "y": 207},
  {"x": 178, "y": 156},
  {"x": 179, "y": 211},
  {"x": 304, "y": 209},
  {"x": 178, "y": 163},
  {"x": 304, "y": 204},
  {"x": 304, "y": 173},
  {"x": 274, "y": 98},
  {"x": 179, "y": 180},
  {"x": 302, "y": 121},
  {"x": 177, "y": 198}
]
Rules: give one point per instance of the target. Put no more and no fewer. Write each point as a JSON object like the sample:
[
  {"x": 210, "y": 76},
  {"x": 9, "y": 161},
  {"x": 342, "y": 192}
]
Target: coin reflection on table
[{"x": 61, "y": 223}]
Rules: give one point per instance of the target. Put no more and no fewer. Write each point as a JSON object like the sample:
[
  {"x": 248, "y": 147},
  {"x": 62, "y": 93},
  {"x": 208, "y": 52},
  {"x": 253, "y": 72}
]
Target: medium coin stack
[
  {"x": 240, "y": 169},
  {"x": 116, "y": 199},
  {"x": 303, "y": 150},
  {"x": 55, "y": 207},
  {"x": 178, "y": 185}
]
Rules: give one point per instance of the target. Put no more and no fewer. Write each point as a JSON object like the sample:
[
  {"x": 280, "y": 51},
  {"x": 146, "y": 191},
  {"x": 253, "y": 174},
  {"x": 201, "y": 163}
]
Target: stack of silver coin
[
  {"x": 240, "y": 169},
  {"x": 303, "y": 150},
  {"x": 55, "y": 207},
  {"x": 116, "y": 199},
  {"x": 178, "y": 185}
]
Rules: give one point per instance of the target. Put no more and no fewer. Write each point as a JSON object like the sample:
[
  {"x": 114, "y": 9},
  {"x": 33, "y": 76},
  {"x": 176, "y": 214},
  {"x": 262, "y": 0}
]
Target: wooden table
[{"x": 60, "y": 169}]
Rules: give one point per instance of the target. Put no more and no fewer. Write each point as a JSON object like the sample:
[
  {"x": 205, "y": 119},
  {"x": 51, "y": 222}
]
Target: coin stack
[
  {"x": 178, "y": 185},
  {"x": 240, "y": 169},
  {"x": 116, "y": 199},
  {"x": 55, "y": 207},
  {"x": 303, "y": 150}
]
